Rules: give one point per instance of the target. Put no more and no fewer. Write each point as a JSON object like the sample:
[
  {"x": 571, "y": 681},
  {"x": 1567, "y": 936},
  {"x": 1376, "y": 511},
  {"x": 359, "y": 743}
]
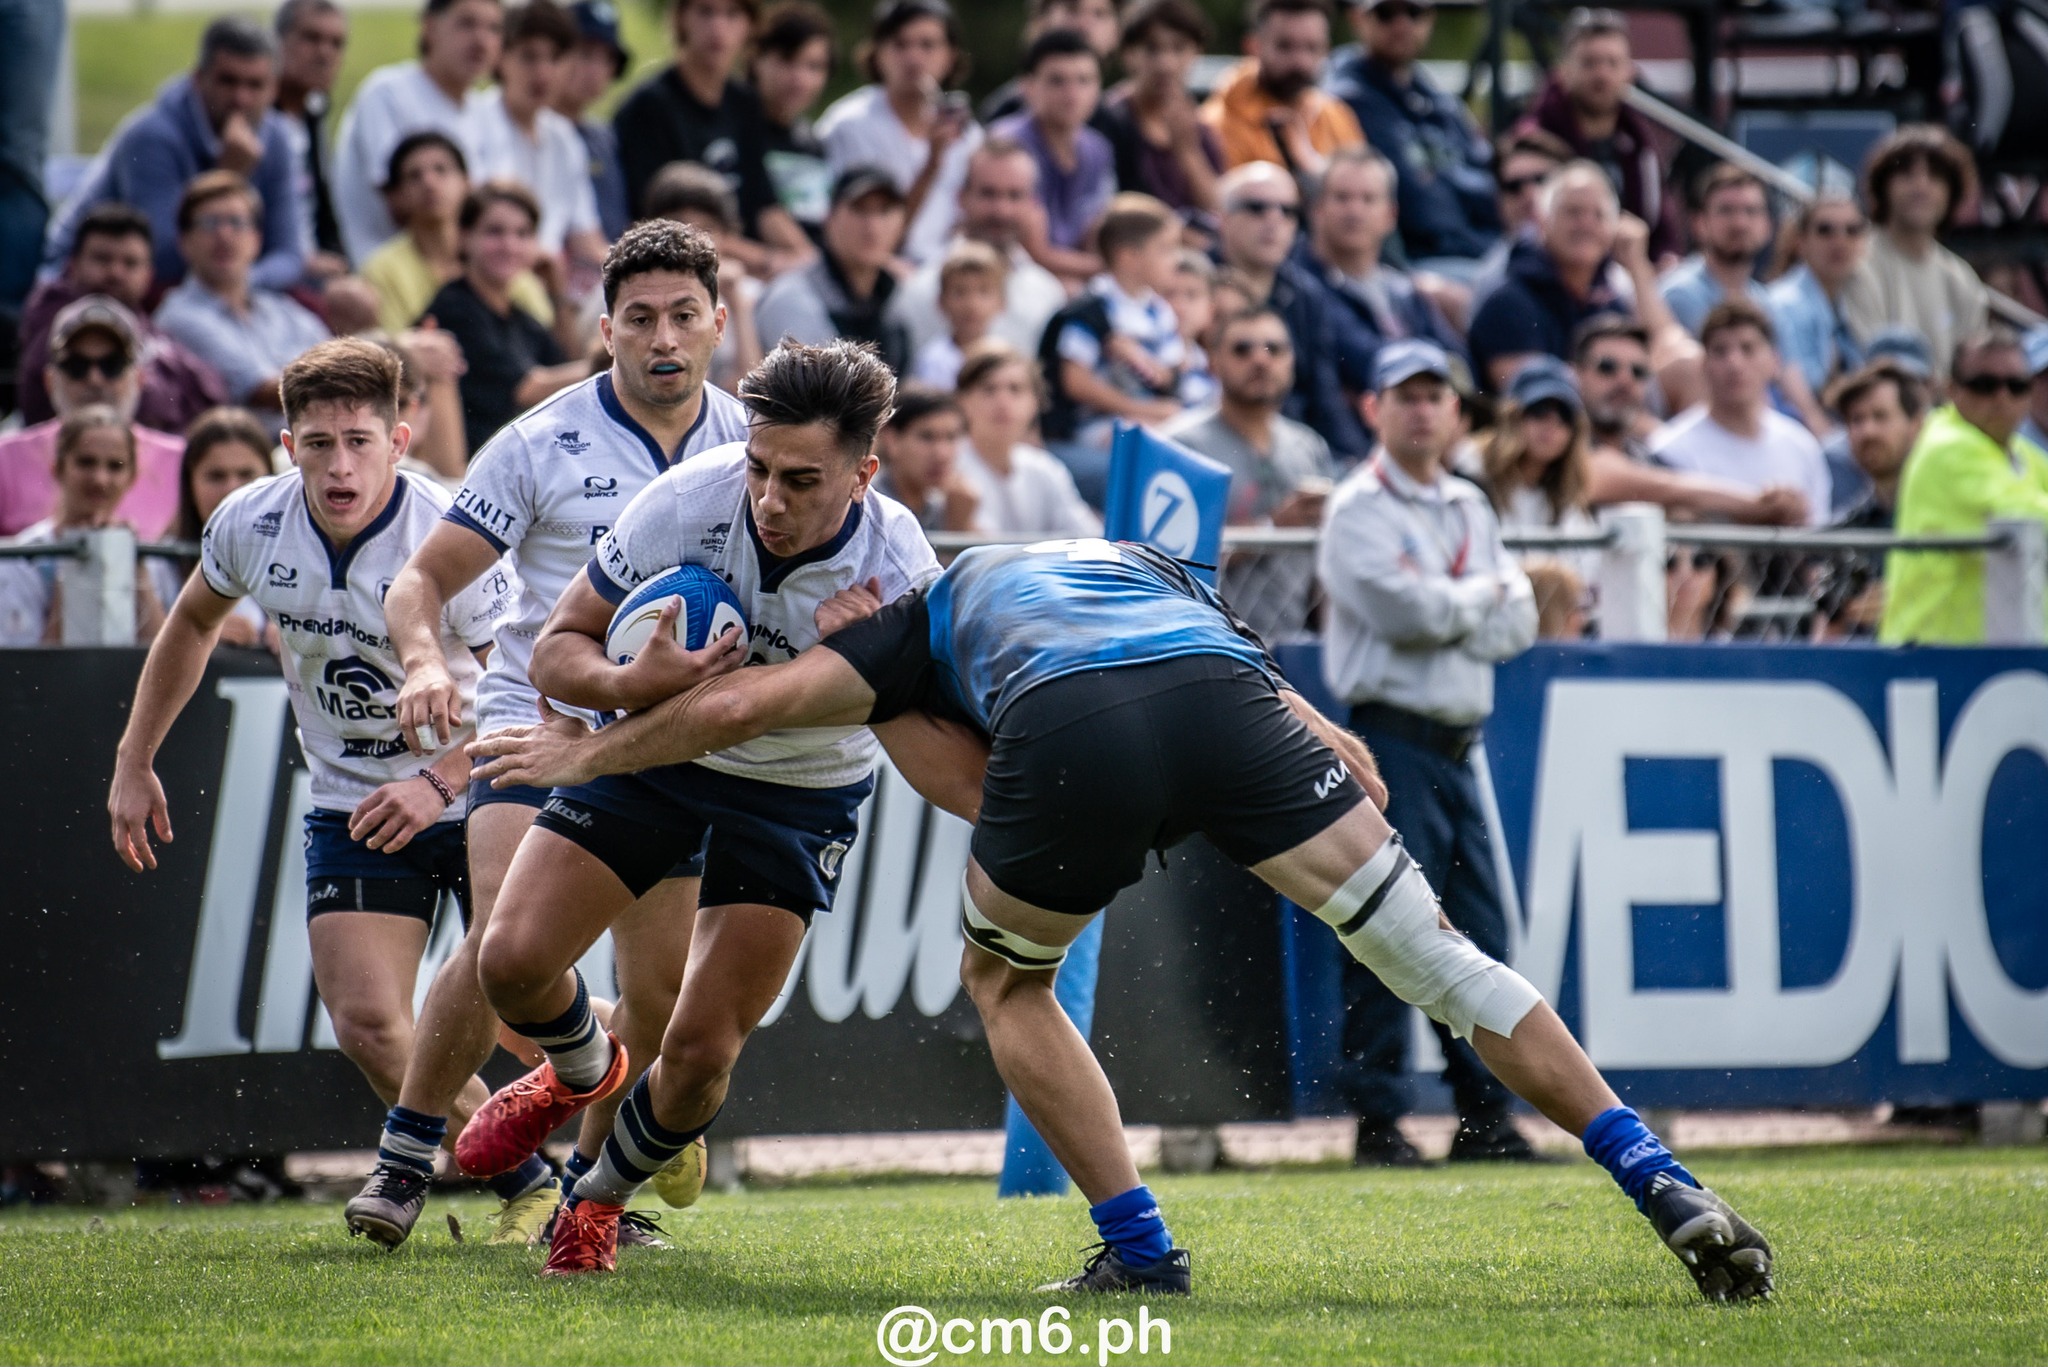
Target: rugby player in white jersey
[
  {"x": 316, "y": 549},
  {"x": 543, "y": 491},
  {"x": 788, "y": 519}
]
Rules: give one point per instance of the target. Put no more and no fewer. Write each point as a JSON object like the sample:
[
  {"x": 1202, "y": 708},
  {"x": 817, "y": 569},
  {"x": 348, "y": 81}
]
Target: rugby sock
[
  {"x": 1620, "y": 1142},
  {"x": 410, "y": 1139},
  {"x": 531, "y": 1175},
  {"x": 575, "y": 1043},
  {"x": 573, "y": 1170},
  {"x": 638, "y": 1147},
  {"x": 1131, "y": 1224}
]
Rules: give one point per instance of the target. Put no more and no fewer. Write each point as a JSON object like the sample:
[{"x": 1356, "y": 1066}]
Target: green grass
[{"x": 1893, "y": 1256}]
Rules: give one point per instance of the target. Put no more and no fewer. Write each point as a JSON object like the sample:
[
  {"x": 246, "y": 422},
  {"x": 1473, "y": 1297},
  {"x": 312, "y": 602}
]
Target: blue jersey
[{"x": 1005, "y": 619}]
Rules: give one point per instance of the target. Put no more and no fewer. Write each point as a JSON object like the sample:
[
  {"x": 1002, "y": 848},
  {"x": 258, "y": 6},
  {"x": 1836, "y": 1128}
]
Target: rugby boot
[
  {"x": 586, "y": 1239},
  {"x": 1727, "y": 1256},
  {"x": 509, "y": 1127},
  {"x": 1106, "y": 1271},
  {"x": 641, "y": 1229},
  {"x": 1380, "y": 1144},
  {"x": 681, "y": 1180},
  {"x": 522, "y": 1220},
  {"x": 388, "y": 1205}
]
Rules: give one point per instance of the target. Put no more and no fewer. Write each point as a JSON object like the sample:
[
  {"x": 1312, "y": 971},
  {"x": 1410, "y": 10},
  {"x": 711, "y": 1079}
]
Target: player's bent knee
[
  {"x": 1389, "y": 920},
  {"x": 1006, "y": 945},
  {"x": 509, "y": 972}
]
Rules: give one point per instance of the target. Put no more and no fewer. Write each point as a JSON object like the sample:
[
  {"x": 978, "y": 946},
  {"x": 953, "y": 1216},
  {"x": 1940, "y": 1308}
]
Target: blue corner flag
[{"x": 1169, "y": 498}]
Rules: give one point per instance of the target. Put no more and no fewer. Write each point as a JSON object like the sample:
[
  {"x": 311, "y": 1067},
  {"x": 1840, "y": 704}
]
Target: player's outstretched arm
[
  {"x": 177, "y": 660},
  {"x": 817, "y": 688},
  {"x": 1349, "y": 747},
  {"x": 446, "y": 563}
]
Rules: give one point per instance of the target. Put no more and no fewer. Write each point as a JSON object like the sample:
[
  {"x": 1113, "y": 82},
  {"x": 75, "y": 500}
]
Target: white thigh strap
[{"x": 1006, "y": 945}]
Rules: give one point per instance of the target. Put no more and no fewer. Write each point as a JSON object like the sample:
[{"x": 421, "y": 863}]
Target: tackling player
[
  {"x": 1128, "y": 710},
  {"x": 788, "y": 520},
  {"x": 543, "y": 491},
  {"x": 314, "y": 549}
]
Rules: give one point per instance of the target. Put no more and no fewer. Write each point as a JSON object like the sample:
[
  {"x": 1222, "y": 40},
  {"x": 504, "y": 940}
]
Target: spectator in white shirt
[
  {"x": 522, "y": 138},
  {"x": 970, "y": 297},
  {"x": 1736, "y": 435},
  {"x": 1022, "y": 488},
  {"x": 919, "y": 448},
  {"x": 907, "y": 122},
  {"x": 459, "y": 44}
]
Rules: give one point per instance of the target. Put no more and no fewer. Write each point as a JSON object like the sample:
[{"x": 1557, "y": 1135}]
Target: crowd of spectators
[{"x": 1098, "y": 243}]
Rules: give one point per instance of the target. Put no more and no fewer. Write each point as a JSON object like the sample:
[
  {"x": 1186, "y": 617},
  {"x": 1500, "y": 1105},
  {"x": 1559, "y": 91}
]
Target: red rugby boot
[
  {"x": 512, "y": 1124},
  {"x": 586, "y": 1240}
]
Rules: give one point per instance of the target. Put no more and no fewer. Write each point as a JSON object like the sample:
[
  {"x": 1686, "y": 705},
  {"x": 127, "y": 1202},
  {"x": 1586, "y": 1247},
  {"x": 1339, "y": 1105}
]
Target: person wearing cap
[
  {"x": 907, "y": 122},
  {"x": 1280, "y": 470},
  {"x": 312, "y": 37},
  {"x": 590, "y": 69},
  {"x": 2034, "y": 427},
  {"x": 1533, "y": 463},
  {"x": 1969, "y": 468},
  {"x": 846, "y": 291},
  {"x": 96, "y": 349},
  {"x": 459, "y": 45},
  {"x": 1424, "y": 599},
  {"x": 217, "y": 118},
  {"x": 111, "y": 255},
  {"x": 1445, "y": 164},
  {"x": 1268, "y": 107}
]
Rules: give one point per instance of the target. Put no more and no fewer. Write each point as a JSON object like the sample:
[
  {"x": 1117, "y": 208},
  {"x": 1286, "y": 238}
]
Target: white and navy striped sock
[
  {"x": 637, "y": 1148},
  {"x": 575, "y": 1043},
  {"x": 410, "y": 1139}
]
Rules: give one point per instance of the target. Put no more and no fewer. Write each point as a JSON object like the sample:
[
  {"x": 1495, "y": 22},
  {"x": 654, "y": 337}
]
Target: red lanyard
[{"x": 1456, "y": 558}]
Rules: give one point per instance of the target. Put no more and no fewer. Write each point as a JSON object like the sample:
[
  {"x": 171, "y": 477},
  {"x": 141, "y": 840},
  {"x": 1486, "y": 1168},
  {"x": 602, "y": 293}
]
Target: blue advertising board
[
  {"x": 1767, "y": 875},
  {"x": 1168, "y": 497}
]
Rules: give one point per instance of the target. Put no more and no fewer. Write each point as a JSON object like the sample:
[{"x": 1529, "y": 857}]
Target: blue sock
[
  {"x": 410, "y": 1138},
  {"x": 1620, "y": 1142},
  {"x": 531, "y": 1175},
  {"x": 1131, "y": 1224},
  {"x": 575, "y": 1168}
]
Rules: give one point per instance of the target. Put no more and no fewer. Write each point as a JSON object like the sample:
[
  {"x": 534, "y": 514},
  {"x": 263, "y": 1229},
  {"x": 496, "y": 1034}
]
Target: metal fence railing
[{"x": 96, "y": 577}]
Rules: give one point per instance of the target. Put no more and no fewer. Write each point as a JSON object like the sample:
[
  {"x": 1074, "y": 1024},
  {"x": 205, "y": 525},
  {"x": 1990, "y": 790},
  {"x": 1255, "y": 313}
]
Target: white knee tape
[
  {"x": 1390, "y": 924},
  {"x": 1006, "y": 945}
]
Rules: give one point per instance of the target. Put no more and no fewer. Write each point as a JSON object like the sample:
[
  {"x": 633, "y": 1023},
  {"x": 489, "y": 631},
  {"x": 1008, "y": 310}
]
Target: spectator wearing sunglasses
[
  {"x": 1280, "y": 470},
  {"x": 1523, "y": 161},
  {"x": 95, "y": 350},
  {"x": 1446, "y": 186},
  {"x": 1820, "y": 254},
  {"x": 1969, "y": 467}
]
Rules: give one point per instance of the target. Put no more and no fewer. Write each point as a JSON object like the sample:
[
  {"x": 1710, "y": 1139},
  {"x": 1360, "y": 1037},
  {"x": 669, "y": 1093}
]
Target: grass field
[{"x": 1885, "y": 1256}]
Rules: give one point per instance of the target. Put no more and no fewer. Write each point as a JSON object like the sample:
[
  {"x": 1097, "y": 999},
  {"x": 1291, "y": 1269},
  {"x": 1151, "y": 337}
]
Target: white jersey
[
  {"x": 698, "y": 514},
  {"x": 544, "y": 489},
  {"x": 261, "y": 543}
]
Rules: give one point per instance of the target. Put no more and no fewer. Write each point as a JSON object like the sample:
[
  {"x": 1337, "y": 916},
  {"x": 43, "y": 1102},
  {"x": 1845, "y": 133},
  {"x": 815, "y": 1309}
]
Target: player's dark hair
[
  {"x": 660, "y": 245},
  {"x": 542, "y": 19},
  {"x": 1055, "y": 42},
  {"x": 844, "y": 384},
  {"x": 111, "y": 218},
  {"x": 1603, "y": 326},
  {"x": 915, "y": 402},
  {"x": 214, "y": 428},
  {"x": 482, "y": 198},
  {"x": 1149, "y": 17},
  {"x": 92, "y": 418},
  {"x": 1974, "y": 346},
  {"x": 1925, "y": 144},
  {"x": 1737, "y": 313},
  {"x": 345, "y": 370},
  {"x": 208, "y": 186},
  {"x": 415, "y": 142},
  {"x": 685, "y": 187},
  {"x": 1860, "y": 385}
]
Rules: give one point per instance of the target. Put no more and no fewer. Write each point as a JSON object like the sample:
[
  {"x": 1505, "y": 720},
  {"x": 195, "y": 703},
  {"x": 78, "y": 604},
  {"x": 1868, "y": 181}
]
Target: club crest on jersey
[
  {"x": 831, "y": 857},
  {"x": 283, "y": 576},
  {"x": 353, "y": 689},
  {"x": 268, "y": 524},
  {"x": 600, "y": 486},
  {"x": 714, "y": 538},
  {"x": 572, "y": 442}
]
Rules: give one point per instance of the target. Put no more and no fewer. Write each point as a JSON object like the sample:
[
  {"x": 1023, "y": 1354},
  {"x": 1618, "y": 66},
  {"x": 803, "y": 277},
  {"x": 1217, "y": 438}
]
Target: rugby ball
[{"x": 709, "y": 608}]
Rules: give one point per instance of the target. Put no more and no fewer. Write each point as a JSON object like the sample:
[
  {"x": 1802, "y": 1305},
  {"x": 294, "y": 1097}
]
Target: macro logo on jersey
[
  {"x": 355, "y": 690},
  {"x": 600, "y": 486},
  {"x": 572, "y": 442},
  {"x": 268, "y": 524},
  {"x": 283, "y": 576}
]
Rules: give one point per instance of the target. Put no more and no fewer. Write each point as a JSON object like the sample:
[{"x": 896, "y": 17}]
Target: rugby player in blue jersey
[{"x": 1127, "y": 708}]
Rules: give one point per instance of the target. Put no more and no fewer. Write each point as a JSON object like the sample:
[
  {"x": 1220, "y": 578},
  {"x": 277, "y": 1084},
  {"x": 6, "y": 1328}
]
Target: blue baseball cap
[
  {"x": 1545, "y": 379},
  {"x": 2035, "y": 344},
  {"x": 598, "y": 22},
  {"x": 1906, "y": 348},
  {"x": 1405, "y": 359}
]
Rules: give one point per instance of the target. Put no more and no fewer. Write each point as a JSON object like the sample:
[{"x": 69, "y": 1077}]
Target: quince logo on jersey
[
  {"x": 283, "y": 576},
  {"x": 355, "y": 690},
  {"x": 600, "y": 486},
  {"x": 572, "y": 442}
]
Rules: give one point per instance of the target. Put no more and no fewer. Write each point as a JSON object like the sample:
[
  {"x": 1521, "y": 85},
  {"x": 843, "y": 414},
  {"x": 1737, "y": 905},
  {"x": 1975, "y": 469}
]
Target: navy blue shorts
[
  {"x": 482, "y": 794},
  {"x": 346, "y": 875},
  {"x": 763, "y": 844}
]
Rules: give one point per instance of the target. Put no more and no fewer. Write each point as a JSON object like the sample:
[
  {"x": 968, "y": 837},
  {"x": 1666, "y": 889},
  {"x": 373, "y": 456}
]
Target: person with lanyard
[{"x": 1424, "y": 600}]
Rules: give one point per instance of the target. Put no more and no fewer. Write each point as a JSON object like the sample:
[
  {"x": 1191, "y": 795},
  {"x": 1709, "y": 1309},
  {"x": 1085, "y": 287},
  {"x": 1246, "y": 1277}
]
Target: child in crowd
[
  {"x": 1117, "y": 352},
  {"x": 919, "y": 448},
  {"x": 1193, "y": 297},
  {"x": 971, "y": 285}
]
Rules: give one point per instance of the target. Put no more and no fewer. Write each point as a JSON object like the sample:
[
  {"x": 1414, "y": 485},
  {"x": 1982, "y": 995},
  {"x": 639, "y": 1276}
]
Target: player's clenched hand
[
  {"x": 136, "y": 805},
  {"x": 663, "y": 668},
  {"x": 550, "y": 755},
  {"x": 389, "y": 818},
  {"x": 429, "y": 708},
  {"x": 848, "y": 606}
]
